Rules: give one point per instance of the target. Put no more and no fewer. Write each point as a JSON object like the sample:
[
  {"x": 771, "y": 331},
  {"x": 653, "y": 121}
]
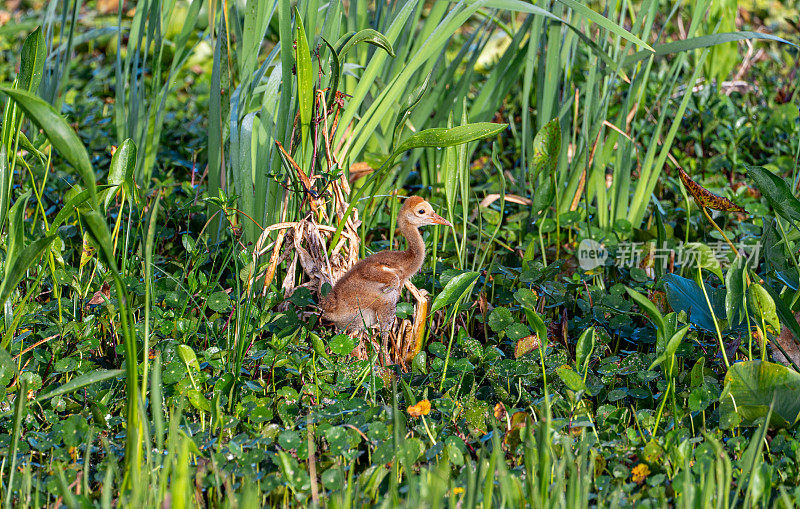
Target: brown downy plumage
[{"x": 367, "y": 294}]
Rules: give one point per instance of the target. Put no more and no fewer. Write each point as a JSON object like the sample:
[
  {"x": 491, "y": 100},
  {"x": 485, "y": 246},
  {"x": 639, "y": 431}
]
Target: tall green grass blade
[
  {"x": 156, "y": 402},
  {"x": 81, "y": 381},
  {"x": 305, "y": 81},
  {"x": 5, "y": 185},
  {"x": 148, "y": 289},
  {"x": 16, "y": 433},
  {"x": 700, "y": 42},
  {"x": 58, "y": 131},
  {"x": 605, "y": 23}
]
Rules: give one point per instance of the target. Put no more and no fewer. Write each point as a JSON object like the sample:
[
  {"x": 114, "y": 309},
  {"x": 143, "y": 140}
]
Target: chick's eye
[{"x": 421, "y": 211}]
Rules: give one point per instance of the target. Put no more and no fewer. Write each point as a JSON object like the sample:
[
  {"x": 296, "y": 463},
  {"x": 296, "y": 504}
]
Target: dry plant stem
[
  {"x": 325, "y": 135},
  {"x": 304, "y": 179}
]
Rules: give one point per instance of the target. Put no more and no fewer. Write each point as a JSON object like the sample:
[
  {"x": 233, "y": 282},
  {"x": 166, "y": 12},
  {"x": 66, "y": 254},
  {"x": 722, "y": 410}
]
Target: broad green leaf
[
  {"x": 698, "y": 372},
  {"x": 219, "y": 301},
  {"x": 675, "y": 341},
  {"x": 341, "y": 344},
  {"x": 570, "y": 378},
  {"x": 305, "y": 78},
  {"x": 776, "y": 191},
  {"x": 538, "y": 326},
  {"x": 58, "y": 131},
  {"x": 34, "y": 51},
  {"x": 20, "y": 264},
  {"x": 685, "y": 295},
  {"x": 79, "y": 382},
  {"x": 517, "y": 331},
  {"x": 751, "y": 387},
  {"x": 526, "y": 298},
  {"x": 763, "y": 303},
  {"x": 500, "y": 319},
  {"x": 734, "y": 290},
  {"x": 449, "y": 174},
  {"x": 584, "y": 349},
  {"x": 665, "y": 358},
  {"x": 546, "y": 148},
  {"x": 441, "y": 137},
  {"x": 188, "y": 357},
  {"x": 198, "y": 401},
  {"x": 455, "y": 290},
  {"x": 699, "y": 399},
  {"x": 120, "y": 174},
  {"x": 318, "y": 346}
]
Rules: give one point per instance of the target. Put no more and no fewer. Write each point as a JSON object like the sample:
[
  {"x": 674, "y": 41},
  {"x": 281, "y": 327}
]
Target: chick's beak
[{"x": 437, "y": 219}]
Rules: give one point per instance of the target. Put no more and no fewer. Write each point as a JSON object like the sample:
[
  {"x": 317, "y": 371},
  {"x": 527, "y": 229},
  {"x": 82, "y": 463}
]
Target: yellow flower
[
  {"x": 640, "y": 473},
  {"x": 458, "y": 491},
  {"x": 421, "y": 408}
]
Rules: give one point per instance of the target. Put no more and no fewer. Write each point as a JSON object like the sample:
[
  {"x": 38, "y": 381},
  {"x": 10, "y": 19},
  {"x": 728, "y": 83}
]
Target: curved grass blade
[
  {"x": 79, "y": 382},
  {"x": 606, "y": 23},
  {"x": 59, "y": 133},
  {"x": 336, "y": 69},
  {"x": 703, "y": 41},
  {"x": 5, "y": 184},
  {"x": 368, "y": 35}
]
